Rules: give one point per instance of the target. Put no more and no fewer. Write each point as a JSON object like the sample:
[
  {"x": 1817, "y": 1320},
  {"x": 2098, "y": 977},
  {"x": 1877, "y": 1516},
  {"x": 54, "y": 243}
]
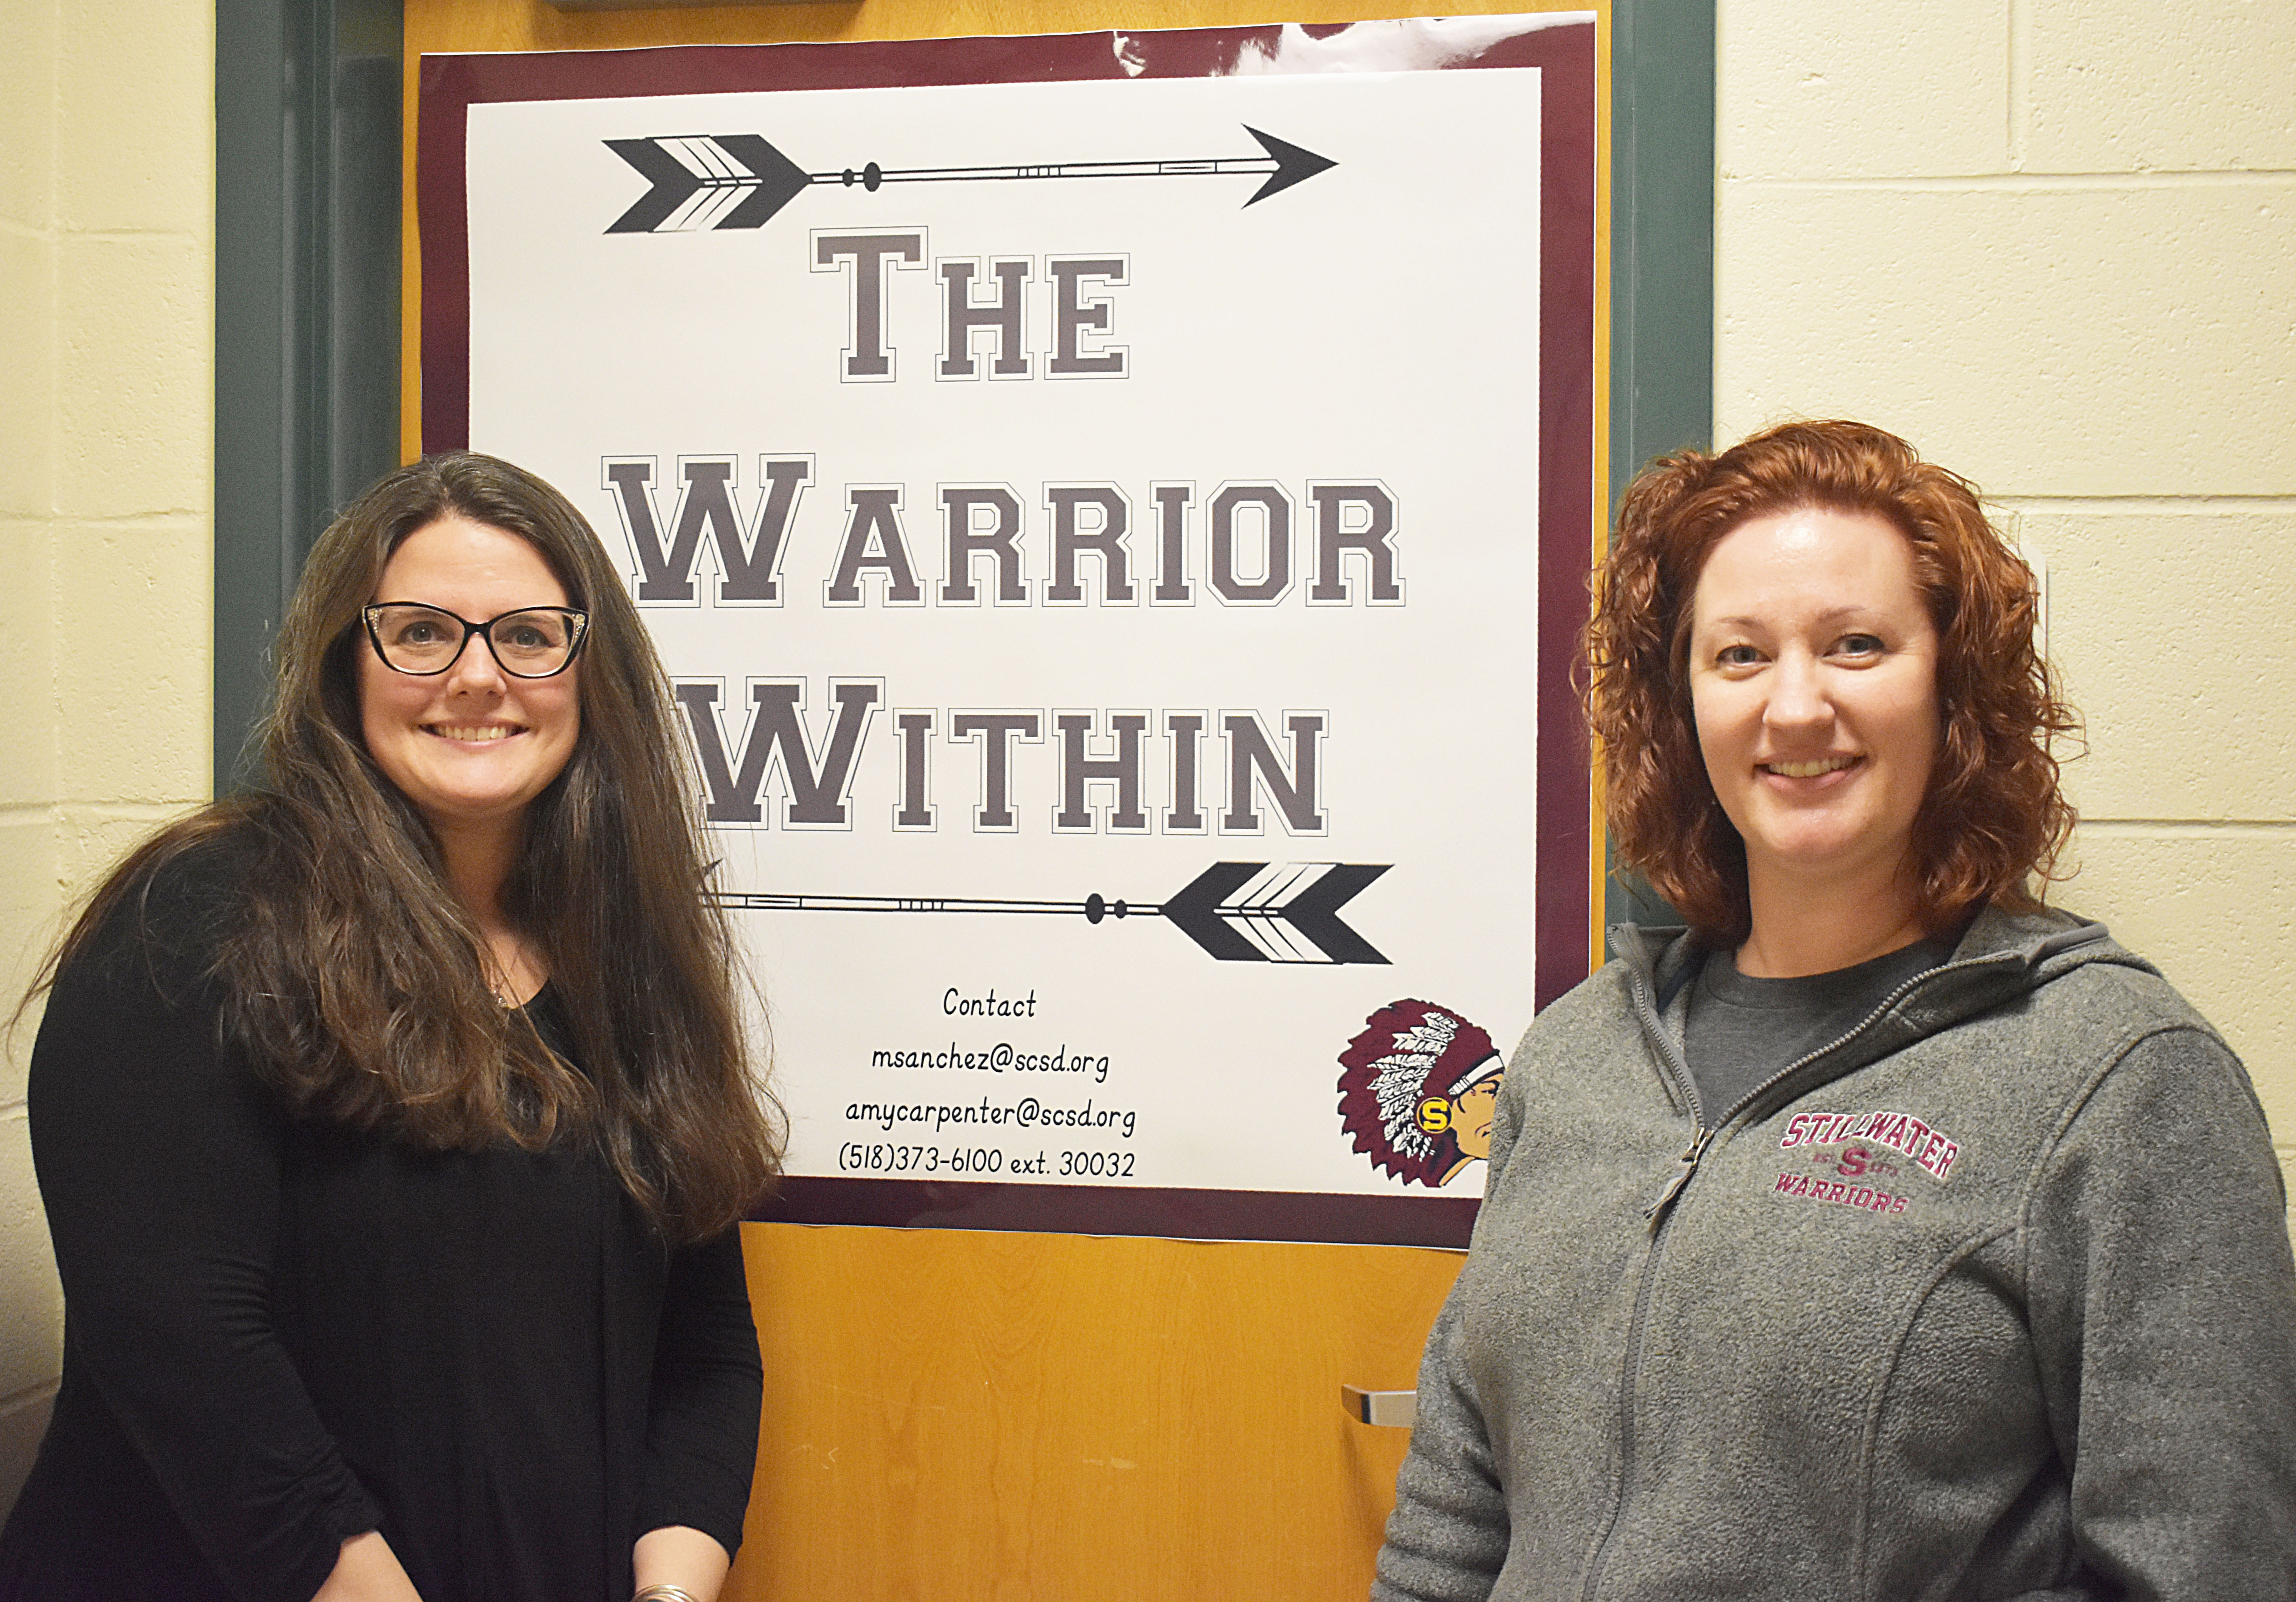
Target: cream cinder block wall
[
  {"x": 107, "y": 265},
  {"x": 2052, "y": 242}
]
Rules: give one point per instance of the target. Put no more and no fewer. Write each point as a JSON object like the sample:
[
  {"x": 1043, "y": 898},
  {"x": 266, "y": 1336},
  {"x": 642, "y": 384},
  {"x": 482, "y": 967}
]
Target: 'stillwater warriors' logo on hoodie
[{"x": 1854, "y": 1157}]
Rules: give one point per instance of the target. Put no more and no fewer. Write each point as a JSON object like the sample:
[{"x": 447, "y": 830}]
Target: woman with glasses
[{"x": 393, "y": 1116}]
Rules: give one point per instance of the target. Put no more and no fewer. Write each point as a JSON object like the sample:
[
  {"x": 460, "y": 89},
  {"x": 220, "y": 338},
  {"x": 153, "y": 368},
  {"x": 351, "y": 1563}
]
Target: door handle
[{"x": 1393, "y": 1409}]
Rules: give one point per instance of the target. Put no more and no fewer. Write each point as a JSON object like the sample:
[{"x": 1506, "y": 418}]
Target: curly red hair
[{"x": 1994, "y": 816}]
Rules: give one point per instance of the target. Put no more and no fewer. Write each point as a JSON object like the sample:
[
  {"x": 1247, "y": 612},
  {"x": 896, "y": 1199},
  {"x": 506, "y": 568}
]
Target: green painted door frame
[
  {"x": 1661, "y": 231},
  {"x": 1662, "y": 270},
  {"x": 306, "y": 308}
]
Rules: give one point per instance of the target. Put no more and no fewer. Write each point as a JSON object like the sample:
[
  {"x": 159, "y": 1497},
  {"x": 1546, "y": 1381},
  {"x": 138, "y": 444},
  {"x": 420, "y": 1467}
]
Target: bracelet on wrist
[{"x": 664, "y": 1593}]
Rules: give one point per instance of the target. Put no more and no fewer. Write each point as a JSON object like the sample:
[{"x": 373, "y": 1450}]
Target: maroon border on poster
[
  {"x": 1312, "y": 1215},
  {"x": 1562, "y": 47}
]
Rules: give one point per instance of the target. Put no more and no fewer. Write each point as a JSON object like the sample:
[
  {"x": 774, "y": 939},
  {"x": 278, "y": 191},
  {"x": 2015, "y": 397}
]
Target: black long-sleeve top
[{"x": 279, "y": 1334}]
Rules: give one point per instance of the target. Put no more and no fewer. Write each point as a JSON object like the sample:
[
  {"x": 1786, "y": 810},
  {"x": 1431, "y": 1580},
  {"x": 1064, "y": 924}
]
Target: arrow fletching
[
  {"x": 706, "y": 180},
  {"x": 780, "y": 180},
  {"x": 1286, "y": 912},
  {"x": 674, "y": 184}
]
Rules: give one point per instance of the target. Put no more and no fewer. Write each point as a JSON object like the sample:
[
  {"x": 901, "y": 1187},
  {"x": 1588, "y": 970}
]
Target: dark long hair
[
  {"x": 353, "y": 975},
  {"x": 1993, "y": 815}
]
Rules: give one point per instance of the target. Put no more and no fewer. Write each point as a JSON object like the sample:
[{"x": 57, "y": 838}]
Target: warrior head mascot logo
[{"x": 1417, "y": 1090}]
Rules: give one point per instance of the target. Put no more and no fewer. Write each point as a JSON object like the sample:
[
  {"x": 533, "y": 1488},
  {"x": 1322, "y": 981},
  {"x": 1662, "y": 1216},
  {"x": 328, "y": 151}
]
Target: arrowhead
[
  {"x": 779, "y": 179},
  {"x": 1196, "y": 910},
  {"x": 1292, "y": 165},
  {"x": 674, "y": 184},
  {"x": 1314, "y": 911}
]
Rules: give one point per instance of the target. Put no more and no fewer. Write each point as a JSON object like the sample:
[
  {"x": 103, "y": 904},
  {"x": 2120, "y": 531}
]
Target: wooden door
[{"x": 954, "y": 1415}]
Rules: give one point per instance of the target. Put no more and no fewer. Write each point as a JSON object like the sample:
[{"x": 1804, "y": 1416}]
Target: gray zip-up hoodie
[{"x": 1991, "y": 1297}]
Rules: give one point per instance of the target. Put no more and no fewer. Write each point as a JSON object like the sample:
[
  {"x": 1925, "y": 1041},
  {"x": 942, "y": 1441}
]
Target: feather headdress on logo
[{"x": 1409, "y": 1055}]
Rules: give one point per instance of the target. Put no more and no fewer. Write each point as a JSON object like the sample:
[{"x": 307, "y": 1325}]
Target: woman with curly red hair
[{"x": 1883, "y": 1233}]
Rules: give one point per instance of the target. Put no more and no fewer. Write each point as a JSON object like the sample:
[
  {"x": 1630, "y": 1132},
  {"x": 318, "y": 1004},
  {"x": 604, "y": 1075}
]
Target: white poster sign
[{"x": 1092, "y": 529}]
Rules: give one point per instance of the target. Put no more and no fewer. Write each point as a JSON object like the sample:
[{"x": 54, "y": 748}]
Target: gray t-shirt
[{"x": 1739, "y": 1031}]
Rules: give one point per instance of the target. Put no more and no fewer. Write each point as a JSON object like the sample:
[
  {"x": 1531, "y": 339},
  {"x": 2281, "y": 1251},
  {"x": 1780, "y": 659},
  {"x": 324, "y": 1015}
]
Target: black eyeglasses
[{"x": 537, "y": 642}]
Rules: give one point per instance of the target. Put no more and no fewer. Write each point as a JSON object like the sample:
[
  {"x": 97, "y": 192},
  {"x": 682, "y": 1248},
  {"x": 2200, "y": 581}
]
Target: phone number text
[{"x": 857, "y": 1156}]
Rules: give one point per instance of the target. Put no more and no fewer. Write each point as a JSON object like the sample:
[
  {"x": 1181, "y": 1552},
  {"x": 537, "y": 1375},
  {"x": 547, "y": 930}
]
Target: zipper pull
[{"x": 1656, "y": 1211}]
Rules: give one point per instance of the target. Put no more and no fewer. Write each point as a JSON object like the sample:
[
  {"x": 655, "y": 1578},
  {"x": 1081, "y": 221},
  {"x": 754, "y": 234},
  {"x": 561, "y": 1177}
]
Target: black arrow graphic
[
  {"x": 1237, "y": 911},
  {"x": 740, "y": 181}
]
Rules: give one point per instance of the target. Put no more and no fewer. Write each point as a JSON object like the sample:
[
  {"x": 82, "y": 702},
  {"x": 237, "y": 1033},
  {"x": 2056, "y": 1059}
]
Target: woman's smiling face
[
  {"x": 1812, "y": 675},
  {"x": 473, "y": 746}
]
